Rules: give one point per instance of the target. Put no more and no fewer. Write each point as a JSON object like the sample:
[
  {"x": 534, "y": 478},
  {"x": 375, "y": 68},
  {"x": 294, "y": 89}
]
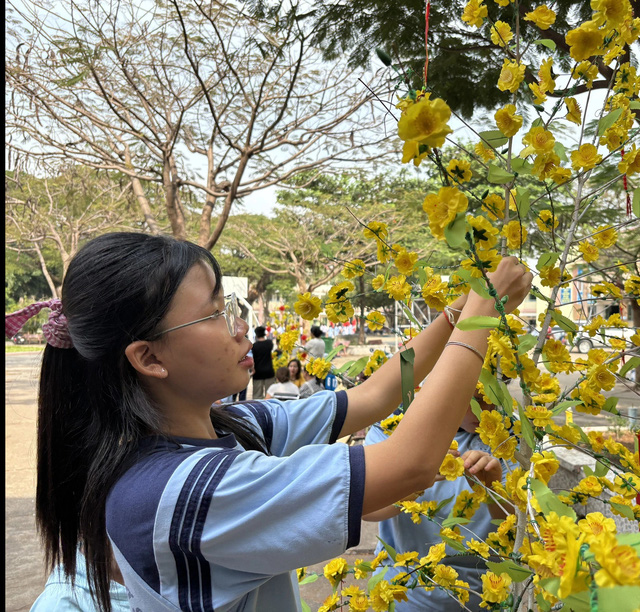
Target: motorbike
[{"x": 19, "y": 339}]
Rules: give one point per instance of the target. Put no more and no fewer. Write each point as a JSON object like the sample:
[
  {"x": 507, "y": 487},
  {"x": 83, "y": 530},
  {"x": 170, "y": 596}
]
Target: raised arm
[{"x": 409, "y": 459}]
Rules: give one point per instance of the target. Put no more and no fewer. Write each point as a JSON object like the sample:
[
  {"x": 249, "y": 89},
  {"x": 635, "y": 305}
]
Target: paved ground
[{"x": 24, "y": 573}]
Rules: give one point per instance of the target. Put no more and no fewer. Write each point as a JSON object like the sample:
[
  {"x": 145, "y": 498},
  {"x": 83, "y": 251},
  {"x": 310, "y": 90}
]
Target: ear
[{"x": 144, "y": 359}]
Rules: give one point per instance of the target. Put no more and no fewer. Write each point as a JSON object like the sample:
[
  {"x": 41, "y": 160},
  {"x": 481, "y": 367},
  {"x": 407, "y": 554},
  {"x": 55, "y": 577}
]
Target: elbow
[{"x": 421, "y": 476}]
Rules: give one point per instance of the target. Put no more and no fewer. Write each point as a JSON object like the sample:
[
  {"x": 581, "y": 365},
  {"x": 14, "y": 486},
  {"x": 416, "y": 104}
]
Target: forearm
[
  {"x": 381, "y": 394},
  {"x": 422, "y": 438}
]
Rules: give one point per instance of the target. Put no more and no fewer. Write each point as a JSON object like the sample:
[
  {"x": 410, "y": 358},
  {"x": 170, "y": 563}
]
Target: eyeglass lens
[{"x": 232, "y": 311}]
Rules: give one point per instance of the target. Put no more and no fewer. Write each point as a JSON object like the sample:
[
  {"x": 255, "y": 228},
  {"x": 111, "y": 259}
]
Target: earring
[{"x": 163, "y": 370}]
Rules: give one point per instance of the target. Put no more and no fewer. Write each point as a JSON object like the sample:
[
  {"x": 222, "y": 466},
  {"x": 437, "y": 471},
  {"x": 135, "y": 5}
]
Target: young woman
[
  {"x": 295, "y": 372},
  {"x": 207, "y": 507}
]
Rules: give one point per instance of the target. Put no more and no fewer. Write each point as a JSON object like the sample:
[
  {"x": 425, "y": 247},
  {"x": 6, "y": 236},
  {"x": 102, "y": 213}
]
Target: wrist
[{"x": 477, "y": 305}]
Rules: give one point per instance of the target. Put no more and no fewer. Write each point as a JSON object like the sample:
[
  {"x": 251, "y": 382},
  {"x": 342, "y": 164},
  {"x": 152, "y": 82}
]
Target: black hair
[
  {"x": 282, "y": 375},
  {"x": 92, "y": 408},
  {"x": 261, "y": 331},
  {"x": 316, "y": 332}
]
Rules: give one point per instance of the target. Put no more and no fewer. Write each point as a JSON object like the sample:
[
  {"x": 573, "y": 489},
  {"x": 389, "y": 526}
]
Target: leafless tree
[{"x": 199, "y": 98}]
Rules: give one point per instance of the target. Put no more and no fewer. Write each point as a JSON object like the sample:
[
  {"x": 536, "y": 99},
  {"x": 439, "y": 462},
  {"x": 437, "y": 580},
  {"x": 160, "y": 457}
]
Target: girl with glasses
[{"x": 207, "y": 507}]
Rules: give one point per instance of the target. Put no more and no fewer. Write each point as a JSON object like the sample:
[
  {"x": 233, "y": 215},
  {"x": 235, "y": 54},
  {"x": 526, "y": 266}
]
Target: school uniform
[
  {"x": 404, "y": 535},
  {"x": 206, "y": 525}
]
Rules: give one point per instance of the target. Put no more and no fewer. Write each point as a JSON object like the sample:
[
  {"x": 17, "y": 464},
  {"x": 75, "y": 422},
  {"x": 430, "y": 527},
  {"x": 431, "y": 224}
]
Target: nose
[{"x": 242, "y": 327}]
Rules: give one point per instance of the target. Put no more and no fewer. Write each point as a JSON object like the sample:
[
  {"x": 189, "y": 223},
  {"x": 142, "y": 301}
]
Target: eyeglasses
[{"x": 231, "y": 313}]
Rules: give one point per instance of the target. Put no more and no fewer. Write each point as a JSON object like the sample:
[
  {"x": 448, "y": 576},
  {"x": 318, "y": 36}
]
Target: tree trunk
[{"x": 45, "y": 272}]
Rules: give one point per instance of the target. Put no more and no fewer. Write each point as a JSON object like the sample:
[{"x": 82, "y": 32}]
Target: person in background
[
  {"x": 315, "y": 346},
  {"x": 295, "y": 372},
  {"x": 284, "y": 389},
  {"x": 397, "y": 529},
  {"x": 263, "y": 374},
  {"x": 312, "y": 385}
]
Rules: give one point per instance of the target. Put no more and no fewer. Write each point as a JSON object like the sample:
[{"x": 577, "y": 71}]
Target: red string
[
  {"x": 426, "y": 38},
  {"x": 626, "y": 188}
]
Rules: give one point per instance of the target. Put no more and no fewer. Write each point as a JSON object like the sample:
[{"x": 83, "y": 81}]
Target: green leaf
[
  {"x": 376, "y": 578},
  {"x": 560, "y": 150},
  {"x": 540, "y": 295},
  {"x": 499, "y": 176},
  {"x": 491, "y": 388},
  {"x": 521, "y": 166},
  {"x": 578, "y": 602},
  {"x": 546, "y": 259},
  {"x": 629, "y": 539},
  {"x": 305, "y": 606},
  {"x": 588, "y": 471},
  {"x": 384, "y": 57},
  {"x": 543, "y": 604},
  {"x": 494, "y": 138},
  {"x": 546, "y": 42},
  {"x": 527, "y": 429},
  {"x": 344, "y": 367},
  {"x": 626, "y": 511},
  {"x": 634, "y": 104},
  {"x": 522, "y": 201},
  {"x": 391, "y": 551},
  {"x": 454, "y": 232},
  {"x": 406, "y": 377},
  {"x": 453, "y": 544},
  {"x": 309, "y": 579},
  {"x": 608, "y": 120},
  {"x": 610, "y": 405},
  {"x": 478, "y": 322},
  {"x": 601, "y": 468},
  {"x": 633, "y": 363},
  {"x": 455, "y": 520},
  {"x": 635, "y": 206},
  {"x": 507, "y": 400},
  {"x": 562, "y": 406},
  {"x": 479, "y": 285},
  {"x": 516, "y": 572},
  {"x": 548, "y": 501},
  {"x": 475, "y": 408},
  {"x": 618, "y": 598},
  {"x": 526, "y": 343},
  {"x": 443, "y": 503},
  {"x": 357, "y": 367},
  {"x": 567, "y": 324}
]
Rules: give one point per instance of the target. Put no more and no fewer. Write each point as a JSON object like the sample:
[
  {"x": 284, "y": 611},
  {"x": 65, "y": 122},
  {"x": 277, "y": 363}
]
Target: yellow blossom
[
  {"x": 376, "y": 229},
  {"x": 459, "y": 170},
  {"x": 511, "y": 76},
  {"x": 307, "y": 306},
  {"x": 586, "y": 157},
  {"x": 619, "y": 564},
  {"x": 375, "y": 321},
  {"x": 546, "y": 221},
  {"x": 611, "y": 12},
  {"x": 484, "y": 234},
  {"x": 425, "y": 122},
  {"x": 587, "y": 71},
  {"x": 494, "y": 205},
  {"x": 630, "y": 163},
  {"x": 538, "y": 92},
  {"x": 378, "y": 282},
  {"x": 411, "y": 151},
  {"x": 501, "y": 33},
  {"x": 545, "y": 165},
  {"x": 538, "y": 140},
  {"x": 336, "y": 570},
  {"x": 495, "y": 589},
  {"x": 542, "y": 16},
  {"x": 547, "y": 83},
  {"x": 445, "y": 576},
  {"x": 478, "y": 547},
  {"x": 442, "y": 208},
  {"x": 585, "y": 41},
  {"x": 353, "y": 268},
  {"x": 540, "y": 416},
  {"x": 330, "y": 603},
  {"x": 626, "y": 80},
  {"x": 486, "y": 153},
  {"x": 397, "y": 287},
  {"x": 507, "y": 121},
  {"x": 561, "y": 175},
  {"x": 474, "y": 12},
  {"x": 405, "y": 261},
  {"x": 589, "y": 251},
  {"x": 489, "y": 261},
  {"x": 545, "y": 465},
  {"x": 515, "y": 234},
  {"x": 605, "y": 237},
  {"x": 318, "y": 367},
  {"x": 375, "y": 361},
  {"x": 574, "y": 114},
  {"x": 451, "y": 467}
]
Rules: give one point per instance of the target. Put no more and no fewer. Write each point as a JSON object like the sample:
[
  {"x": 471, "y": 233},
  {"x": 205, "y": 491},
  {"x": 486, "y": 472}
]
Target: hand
[
  {"x": 483, "y": 466},
  {"x": 512, "y": 279}
]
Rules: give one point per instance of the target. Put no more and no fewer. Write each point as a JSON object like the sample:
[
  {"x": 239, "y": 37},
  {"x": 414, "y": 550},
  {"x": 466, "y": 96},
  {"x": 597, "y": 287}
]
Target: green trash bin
[{"x": 328, "y": 344}]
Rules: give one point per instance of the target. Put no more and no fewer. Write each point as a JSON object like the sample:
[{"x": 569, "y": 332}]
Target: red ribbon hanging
[{"x": 426, "y": 38}]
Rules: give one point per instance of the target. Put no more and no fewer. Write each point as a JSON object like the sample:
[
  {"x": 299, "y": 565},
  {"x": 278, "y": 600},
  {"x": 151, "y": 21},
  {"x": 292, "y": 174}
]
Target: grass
[{"x": 23, "y": 348}]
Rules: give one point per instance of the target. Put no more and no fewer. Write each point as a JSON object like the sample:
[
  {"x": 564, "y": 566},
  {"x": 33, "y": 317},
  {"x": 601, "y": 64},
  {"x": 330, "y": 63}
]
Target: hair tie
[{"x": 56, "y": 330}]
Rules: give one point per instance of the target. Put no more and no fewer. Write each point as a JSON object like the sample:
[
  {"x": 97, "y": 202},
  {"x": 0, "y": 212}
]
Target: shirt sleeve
[
  {"x": 288, "y": 426},
  {"x": 274, "y": 514}
]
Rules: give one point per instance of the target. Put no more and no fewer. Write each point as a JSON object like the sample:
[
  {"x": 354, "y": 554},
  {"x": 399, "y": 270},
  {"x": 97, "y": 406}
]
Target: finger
[{"x": 479, "y": 465}]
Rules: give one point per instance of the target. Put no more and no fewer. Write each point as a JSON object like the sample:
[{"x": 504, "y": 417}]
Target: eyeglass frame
[{"x": 231, "y": 313}]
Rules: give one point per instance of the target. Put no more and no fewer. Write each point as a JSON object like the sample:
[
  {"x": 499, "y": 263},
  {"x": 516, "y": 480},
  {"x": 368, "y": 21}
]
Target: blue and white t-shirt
[
  {"x": 404, "y": 535},
  {"x": 206, "y": 525}
]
